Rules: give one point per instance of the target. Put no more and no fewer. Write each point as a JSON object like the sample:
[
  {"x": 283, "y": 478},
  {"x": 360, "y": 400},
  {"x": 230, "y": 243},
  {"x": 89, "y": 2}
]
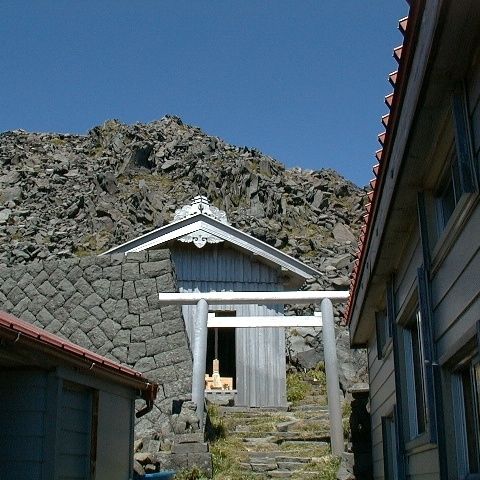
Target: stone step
[
  {"x": 260, "y": 440},
  {"x": 267, "y": 467},
  {"x": 279, "y": 437},
  {"x": 288, "y": 425},
  {"x": 280, "y": 474},
  {"x": 296, "y": 459},
  {"x": 284, "y": 474},
  {"x": 292, "y": 466},
  {"x": 277, "y": 455},
  {"x": 309, "y": 407},
  {"x": 263, "y": 467},
  {"x": 253, "y": 410},
  {"x": 307, "y": 443}
]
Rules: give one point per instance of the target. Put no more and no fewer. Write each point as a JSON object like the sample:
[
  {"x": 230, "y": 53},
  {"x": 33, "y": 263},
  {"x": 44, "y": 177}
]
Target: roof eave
[{"x": 387, "y": 139}]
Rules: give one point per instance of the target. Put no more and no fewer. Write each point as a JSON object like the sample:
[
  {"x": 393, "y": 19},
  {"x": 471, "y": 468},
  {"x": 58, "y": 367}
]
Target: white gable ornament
[{"x": 201, "y": 205}]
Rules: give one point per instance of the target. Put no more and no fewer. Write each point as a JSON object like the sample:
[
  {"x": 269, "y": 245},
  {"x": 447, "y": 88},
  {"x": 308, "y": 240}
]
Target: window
[
  {"x": 390, "y": 450},
  {"x": 384, "y": 332},
  {"x": 466, "y": 400},
  {"x": 414, "y": 375},
  {"x": 449, "y": 192},
  {"x": 384, "y": 322},
  {"x": 460, "y": 175}
]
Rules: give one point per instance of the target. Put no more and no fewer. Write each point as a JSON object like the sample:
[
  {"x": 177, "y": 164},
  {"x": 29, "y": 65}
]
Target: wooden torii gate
[{"x": 325, "y": 298}]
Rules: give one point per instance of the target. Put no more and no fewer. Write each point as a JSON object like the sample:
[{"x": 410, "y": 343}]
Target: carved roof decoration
[{"x": 200, "y": 205}]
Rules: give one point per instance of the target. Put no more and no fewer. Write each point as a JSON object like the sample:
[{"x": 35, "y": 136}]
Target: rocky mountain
[{"x": 63, "y": 195}]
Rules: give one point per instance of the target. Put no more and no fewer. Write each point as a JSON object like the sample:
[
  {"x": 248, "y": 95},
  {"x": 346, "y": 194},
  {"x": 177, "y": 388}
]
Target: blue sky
[{"x": 301, "y": 80}]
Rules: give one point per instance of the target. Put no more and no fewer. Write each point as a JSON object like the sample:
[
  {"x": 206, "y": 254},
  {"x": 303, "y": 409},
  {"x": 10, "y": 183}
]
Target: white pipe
[
  {"x": 200, "y": 358},
  {"x": 331, "y": 371},
  {"x": 218, "y": 298}
]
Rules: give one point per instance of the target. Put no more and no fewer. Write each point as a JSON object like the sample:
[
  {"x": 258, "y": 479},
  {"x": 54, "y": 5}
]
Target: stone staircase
[{"x": 280, "y": 443}]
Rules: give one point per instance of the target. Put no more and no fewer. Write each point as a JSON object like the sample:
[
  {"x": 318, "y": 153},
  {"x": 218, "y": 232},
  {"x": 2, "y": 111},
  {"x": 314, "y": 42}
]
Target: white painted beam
[
  {"x": 259, "y": 321},
  {"x": 228, "y": 298}
]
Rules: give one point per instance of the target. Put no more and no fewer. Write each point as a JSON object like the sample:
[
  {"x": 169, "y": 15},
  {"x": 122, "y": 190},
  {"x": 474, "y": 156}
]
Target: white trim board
[
  {"x": 262, "y": 298},
  {"x": 258, "y": 321}
]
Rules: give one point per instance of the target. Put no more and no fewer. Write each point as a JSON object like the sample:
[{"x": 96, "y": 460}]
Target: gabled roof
[
  {"x": 36, "y": 340},
  {"x": 204, "y": 227}
]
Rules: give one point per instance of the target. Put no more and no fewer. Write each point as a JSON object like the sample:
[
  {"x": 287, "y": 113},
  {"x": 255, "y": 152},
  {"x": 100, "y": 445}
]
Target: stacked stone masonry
[{"x": 109, "y": 304}]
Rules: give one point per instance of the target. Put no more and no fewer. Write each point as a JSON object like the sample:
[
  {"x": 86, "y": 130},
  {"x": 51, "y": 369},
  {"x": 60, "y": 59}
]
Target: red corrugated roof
[
  {"x": 19, "y": 328},
  {"x": 409, "y": 27}
]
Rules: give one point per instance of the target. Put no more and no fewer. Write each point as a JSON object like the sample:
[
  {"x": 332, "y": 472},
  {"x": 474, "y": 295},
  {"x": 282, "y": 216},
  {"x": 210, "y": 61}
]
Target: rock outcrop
[{"x": 67, "y": 195}]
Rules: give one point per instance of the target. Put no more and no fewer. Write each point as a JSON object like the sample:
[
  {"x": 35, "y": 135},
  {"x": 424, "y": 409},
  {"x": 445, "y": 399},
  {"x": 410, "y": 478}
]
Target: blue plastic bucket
[{"x": 165, "y": 475}]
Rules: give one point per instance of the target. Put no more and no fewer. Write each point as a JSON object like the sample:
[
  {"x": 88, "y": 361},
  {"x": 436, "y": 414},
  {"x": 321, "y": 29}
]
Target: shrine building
[{"x": 210, "y": 255}]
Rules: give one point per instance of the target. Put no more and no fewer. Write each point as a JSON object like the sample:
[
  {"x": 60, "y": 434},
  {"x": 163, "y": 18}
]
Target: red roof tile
[
  {"x": 409, "y": 26},
  {"x": 385, "y": 118},
  {"x": 388, "y": 101},
  {"x": 397, "y": 53},
  {"x": 392, "y": 78},
  {"x": 402, "y": 25}
]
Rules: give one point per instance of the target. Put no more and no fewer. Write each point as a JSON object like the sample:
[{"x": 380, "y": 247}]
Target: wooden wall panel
[
  {"x": 22, "y": 423},
  {"x": 260, "y": 352}
]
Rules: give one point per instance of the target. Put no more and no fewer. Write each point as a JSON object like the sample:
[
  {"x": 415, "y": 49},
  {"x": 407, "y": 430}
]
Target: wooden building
[
  {"x": 65, "y": 412},
  {"x": 415, "y": 297},
  {"x": 210, "y": 256}
]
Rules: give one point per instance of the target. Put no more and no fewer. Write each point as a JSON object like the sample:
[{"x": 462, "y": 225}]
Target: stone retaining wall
[{"x": 109, "y": 304}]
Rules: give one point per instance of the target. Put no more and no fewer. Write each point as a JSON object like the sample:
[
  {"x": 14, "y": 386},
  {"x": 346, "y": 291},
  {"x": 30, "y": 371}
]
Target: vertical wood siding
[
  {"x": 260, "y": 352},
  {"x": 114, "y": 452},
  {"x": 75, "y": 434},
  {"x": 22, "y": 424},
  {"x": 382, "y": 400}
]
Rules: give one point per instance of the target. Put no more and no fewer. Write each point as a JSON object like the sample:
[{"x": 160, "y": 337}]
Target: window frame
[
  {"x": 415, "y": 374},
  {"x": 469, "y": 366},
  {"x": 385, "y": 318},
  {"x": 390, "y": 447},
  {"x": 409, "y": 315},
  {"x": 383, "y": 328},
  {"x": 450, "y": 181},
  {"x": 455, "y": 144}
]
